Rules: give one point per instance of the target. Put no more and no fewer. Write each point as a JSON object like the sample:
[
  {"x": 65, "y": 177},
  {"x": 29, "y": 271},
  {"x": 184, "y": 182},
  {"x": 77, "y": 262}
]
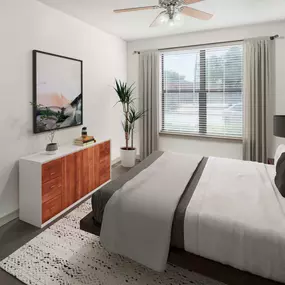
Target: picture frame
[{"x": 57, "y": 92}]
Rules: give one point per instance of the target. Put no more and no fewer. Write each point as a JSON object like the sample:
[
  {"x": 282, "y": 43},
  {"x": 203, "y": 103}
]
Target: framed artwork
[{"x": 57, "y": 92}]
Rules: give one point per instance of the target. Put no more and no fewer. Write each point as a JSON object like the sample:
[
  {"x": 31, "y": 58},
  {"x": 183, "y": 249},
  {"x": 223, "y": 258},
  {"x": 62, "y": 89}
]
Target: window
[{"x": 202, "y": 91}]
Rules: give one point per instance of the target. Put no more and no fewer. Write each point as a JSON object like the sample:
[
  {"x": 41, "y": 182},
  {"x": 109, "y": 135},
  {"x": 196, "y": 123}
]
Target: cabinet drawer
[
  {"x": 51, "y": 170},
  {"x": 51, "y": 189},
  {"x": 104, "y": 150},
  {"x": 51, "y": 208}
]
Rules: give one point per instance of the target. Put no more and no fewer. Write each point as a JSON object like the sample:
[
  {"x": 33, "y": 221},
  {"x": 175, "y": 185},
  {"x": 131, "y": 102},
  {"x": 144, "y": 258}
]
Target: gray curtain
[
  {"x": 258, "y": 71},
  {"x": 148, "y": 91}
]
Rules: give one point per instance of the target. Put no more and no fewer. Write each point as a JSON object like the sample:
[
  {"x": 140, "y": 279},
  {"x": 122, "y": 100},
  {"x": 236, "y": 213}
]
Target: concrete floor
[{"x": 17, "y": 233}]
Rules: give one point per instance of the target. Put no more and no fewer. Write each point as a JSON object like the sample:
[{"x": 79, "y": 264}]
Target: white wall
[
  {"x": 27, "y": 25},
  {"x": 209, "y": 146}
]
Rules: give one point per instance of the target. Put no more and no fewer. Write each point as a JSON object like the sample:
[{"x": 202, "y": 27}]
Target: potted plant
[
  {"x": 134, "y": 115},
  {"x": 45, "y": 114},
  {"x": 131, "y": 115},
  {"x": 52, "y": 147}
]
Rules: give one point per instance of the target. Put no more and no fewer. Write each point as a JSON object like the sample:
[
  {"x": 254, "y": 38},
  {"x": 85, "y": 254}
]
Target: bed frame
[{"x": 209, "y": 268}]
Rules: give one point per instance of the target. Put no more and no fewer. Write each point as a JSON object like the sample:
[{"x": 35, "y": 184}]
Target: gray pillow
[{"x": 280, "y": 174}]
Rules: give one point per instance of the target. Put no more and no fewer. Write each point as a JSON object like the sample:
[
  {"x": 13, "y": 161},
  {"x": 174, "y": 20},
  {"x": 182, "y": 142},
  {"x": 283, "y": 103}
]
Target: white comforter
[
  {"x": 236, "y": 216},
  {"x": 138, "y": 218}
]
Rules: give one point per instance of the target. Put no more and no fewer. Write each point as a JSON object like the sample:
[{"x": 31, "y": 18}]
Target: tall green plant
[
  {"x": 125, "y": 94},
  {"x": 131, "y": 115},
  {"x": 134, "y": 115}
]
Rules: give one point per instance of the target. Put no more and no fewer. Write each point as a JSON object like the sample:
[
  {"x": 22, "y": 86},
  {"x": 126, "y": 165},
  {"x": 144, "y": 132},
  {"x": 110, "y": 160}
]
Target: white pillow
[{"x": 279, "y": 151}]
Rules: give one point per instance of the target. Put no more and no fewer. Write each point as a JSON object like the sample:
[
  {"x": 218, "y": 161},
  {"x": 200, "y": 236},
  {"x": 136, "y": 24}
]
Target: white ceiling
[{"x": 135, "y": 25}]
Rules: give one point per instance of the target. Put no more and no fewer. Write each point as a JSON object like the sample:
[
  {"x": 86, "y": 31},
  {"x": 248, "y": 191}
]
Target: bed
[{"x": 228, "y": 219}]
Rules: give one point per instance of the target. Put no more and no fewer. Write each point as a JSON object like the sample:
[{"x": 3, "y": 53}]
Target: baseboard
[
  {"x": 6, "y": 219},
  {"x": 116, "y": 160}
]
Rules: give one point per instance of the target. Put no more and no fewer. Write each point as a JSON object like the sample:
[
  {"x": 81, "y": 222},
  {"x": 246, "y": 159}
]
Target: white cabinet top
[{"x": 43, "y": 157}]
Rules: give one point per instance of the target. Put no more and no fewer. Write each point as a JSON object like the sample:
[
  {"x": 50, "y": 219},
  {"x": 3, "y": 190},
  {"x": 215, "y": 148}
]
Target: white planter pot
[{"x": 128, "y": 157}]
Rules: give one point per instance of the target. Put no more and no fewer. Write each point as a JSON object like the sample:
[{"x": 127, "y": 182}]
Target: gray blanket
[{"x": 101, "y": 197}]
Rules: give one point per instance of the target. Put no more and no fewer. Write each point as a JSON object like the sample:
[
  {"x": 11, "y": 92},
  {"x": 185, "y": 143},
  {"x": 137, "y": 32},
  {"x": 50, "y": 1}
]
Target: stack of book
[{"x": 88, "y": 140}]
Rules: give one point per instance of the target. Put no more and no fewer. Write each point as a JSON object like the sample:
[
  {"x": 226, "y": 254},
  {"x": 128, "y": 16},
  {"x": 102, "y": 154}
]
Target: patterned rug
[{"x": 63, "y": 254}]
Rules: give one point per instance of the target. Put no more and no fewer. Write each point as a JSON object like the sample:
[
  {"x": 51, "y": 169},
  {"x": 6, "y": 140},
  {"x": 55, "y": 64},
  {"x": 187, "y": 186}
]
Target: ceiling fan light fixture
[
  {"x": 171, "y": 23},
  {"x": 164, "y": 19},
  {"x": 177, "y": 17},
  {"x": 176, "y": 21},
  {"x": 174, "y": 12}
]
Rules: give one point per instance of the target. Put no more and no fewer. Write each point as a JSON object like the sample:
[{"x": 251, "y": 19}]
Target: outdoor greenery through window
[{"x": 202, "y": 91}]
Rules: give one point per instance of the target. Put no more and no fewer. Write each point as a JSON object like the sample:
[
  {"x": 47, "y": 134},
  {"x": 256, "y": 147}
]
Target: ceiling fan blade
[
  {"x": 136, "y": 9},
  {"x": 157, "y": 21},
  {"x": 188, "y": 2},
  {"x": 196, "y": 13}
]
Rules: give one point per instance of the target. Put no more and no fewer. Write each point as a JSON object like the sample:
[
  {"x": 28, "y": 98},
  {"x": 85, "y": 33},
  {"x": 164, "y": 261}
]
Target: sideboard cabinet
[{"x": 52, "y": 184}]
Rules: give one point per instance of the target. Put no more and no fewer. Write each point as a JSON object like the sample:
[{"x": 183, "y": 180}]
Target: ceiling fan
[{"x": 172, "y": 10}]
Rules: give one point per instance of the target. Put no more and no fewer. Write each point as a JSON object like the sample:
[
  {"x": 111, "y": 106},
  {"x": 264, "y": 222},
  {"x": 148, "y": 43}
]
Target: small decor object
[
  {"x": 84, "y": 141},
  {"x": 131, "y": 115},
  {"x": 52, "y": 147},
  {"x": 84, "y": 132},
  {"x": 57, "y": 86}
]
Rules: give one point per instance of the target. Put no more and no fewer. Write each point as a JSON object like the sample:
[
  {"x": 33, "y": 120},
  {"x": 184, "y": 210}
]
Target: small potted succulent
[
  {"x": 131, "y": 115},
  {"x": 45, "y": 115},
  {"x": 52, "y": 147}
]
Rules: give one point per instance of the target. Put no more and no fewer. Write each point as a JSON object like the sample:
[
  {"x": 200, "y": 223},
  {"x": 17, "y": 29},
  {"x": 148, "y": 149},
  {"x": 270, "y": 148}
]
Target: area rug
[{"x": 63, "y": 254}]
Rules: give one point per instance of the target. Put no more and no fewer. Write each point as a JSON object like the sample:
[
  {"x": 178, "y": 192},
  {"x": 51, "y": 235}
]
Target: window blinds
[{"x": 202, "y": 91}]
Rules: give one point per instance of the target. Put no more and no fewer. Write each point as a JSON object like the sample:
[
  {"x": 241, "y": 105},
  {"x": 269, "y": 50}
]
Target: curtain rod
[{"x": 225, "y": 42}]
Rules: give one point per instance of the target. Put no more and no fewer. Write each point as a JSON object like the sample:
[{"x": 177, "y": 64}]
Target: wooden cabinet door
[
  {"x": 73, "y": 177},
  {"x": 104, "y": 149},
  {"x": 79, "y": 175},
  {"x": 83, "y": 172},
  {"x": 104, "y": 154},
  {"x": 96, "y": 169},
  {"x": 91, "y": 172},
  {"x": 91, "y": 169},
  {"x": 68, "y": 181},
  {"x": 89, "y": 177}
]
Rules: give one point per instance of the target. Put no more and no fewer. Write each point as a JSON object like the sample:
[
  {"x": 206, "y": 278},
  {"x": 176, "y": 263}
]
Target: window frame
[{"x": 202, "y": 91}]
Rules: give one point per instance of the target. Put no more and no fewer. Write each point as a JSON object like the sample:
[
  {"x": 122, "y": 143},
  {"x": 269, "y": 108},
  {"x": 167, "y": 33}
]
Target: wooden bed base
[{"x": 206, "y": 267}]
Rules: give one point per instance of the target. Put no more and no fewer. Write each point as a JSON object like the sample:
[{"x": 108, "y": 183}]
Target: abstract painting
[{"x": 57, "y": 91}]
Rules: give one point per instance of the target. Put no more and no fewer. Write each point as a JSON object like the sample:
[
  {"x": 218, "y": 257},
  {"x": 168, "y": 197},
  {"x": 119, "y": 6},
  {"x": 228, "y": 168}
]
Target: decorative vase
[
  {"x": 84, "y": 132},
  {"x": 128, "y": 157},
  {"x": 51, "y": 148}
]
